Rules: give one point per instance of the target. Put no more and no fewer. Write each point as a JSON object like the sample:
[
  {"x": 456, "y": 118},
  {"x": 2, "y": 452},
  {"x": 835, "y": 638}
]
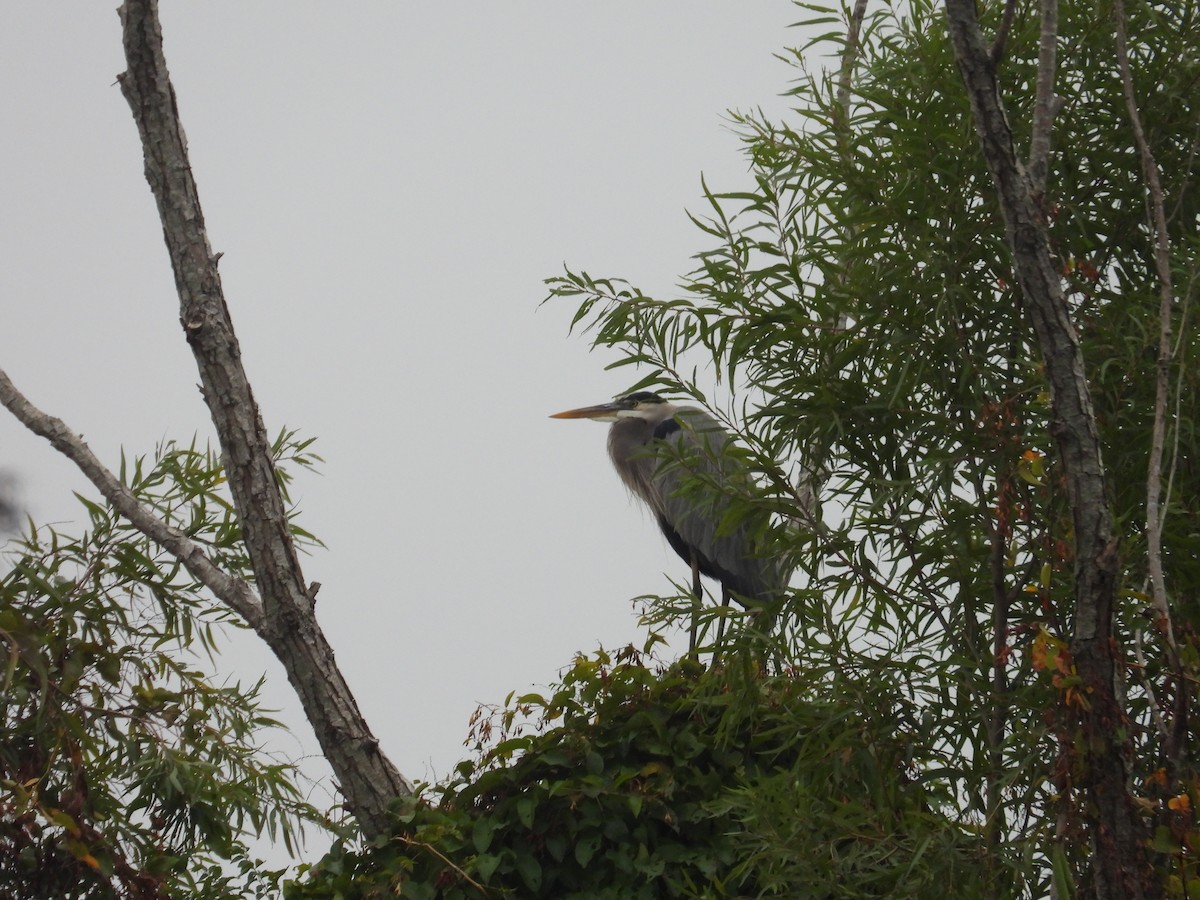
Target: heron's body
[
  {"x": 647, "y": 456},
  {"x": 675, "y": 459}
]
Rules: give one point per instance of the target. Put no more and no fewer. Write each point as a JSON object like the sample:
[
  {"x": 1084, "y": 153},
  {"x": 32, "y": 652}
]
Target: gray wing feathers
[{"x": 697, "y": 453}]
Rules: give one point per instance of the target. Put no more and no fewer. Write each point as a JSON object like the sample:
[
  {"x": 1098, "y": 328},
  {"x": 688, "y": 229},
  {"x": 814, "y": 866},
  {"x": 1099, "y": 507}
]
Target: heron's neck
[{"x": 630, "y": 432}]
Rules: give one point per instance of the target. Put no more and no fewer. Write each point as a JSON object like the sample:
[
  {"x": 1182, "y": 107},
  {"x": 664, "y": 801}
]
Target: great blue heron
[{"x": 656, "y": 446}]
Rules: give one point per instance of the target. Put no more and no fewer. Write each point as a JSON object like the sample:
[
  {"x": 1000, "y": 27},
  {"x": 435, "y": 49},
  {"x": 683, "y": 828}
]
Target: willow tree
[{"x": 953, "y": 315}]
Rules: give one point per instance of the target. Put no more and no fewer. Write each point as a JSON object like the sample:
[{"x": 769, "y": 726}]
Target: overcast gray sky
[{"x": 389, "y": 182}]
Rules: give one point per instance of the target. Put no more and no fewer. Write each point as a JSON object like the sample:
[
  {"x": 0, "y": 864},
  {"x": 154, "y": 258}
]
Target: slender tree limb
[
  {"x": 1185, "y": 302},
  {"x": 850, "y": 58},
  {"x": 1162, "y": 265},
  {"x": 1122, "y": 868},
  {"x": 998, "y": 717},
  {"x": 229, "y": 589},
  {"x": 1045, "y": 103},
  {"x": 815, "y": 473},
  {"x": 367, "y": 778},
  {"x": 1000, "y": 44}
]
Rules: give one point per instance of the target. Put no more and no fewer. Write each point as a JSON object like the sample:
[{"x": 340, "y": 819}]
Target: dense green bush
[{"x": 629, "y": 781}]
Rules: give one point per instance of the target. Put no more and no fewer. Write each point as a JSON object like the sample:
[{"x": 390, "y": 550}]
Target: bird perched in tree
[{"x": 675, "y": 459}]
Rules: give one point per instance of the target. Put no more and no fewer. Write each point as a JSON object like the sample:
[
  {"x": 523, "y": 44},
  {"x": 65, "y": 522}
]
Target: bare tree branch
[
  {"x": 1162, "y": 265},
  {"x": 1121, "y": 865},
  {"x": 1045, "y": 103},
  {"x": 367, "y": 778},
  {"x": 229, "y": 589}
]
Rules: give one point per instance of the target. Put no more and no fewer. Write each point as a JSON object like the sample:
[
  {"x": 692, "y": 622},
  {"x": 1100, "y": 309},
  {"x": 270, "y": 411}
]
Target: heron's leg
[
  {"x": 725, "y": 598},
  {"x": 697, "y": 600}
]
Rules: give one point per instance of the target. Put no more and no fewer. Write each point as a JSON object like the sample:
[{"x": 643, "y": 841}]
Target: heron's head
[{"x": 640, "y": 405}]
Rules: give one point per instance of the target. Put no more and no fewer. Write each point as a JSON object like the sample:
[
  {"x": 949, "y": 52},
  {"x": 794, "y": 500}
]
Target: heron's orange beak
[{"x": 601, "y": 410}]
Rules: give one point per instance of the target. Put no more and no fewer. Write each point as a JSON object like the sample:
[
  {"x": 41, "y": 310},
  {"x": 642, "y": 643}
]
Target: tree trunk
[
  {"x": 1119, "y": 857},
  {"x": 368, "y": 780}
]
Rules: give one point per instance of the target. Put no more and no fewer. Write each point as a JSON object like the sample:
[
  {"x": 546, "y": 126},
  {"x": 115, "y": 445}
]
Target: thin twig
[
  {"x": 997, "y": 720},
  {"x": 1045, "y": 104},
  {"x": 1162, "y": 265},
  {"x": 1185, "y": 303},
  {"x": 1156, "y": 713},
  {"x": 409, "y": 842},
  {"x": 229, "y": 589}
]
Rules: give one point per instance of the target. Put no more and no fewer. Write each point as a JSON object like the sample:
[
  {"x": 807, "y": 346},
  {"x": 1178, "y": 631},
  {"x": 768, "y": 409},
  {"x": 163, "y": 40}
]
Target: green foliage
[
  {"x": 125, "y": 769},
  {"x": 629, "y": 782},
  {"x": 859, "y": 303}
]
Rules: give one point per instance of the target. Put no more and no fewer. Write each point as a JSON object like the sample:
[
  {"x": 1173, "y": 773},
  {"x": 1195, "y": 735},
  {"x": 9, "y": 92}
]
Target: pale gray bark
[
  {"x": 1045, "y": 103},
  {"x": 368, "y": 780},
  {"x": 229, "y": 589}
]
